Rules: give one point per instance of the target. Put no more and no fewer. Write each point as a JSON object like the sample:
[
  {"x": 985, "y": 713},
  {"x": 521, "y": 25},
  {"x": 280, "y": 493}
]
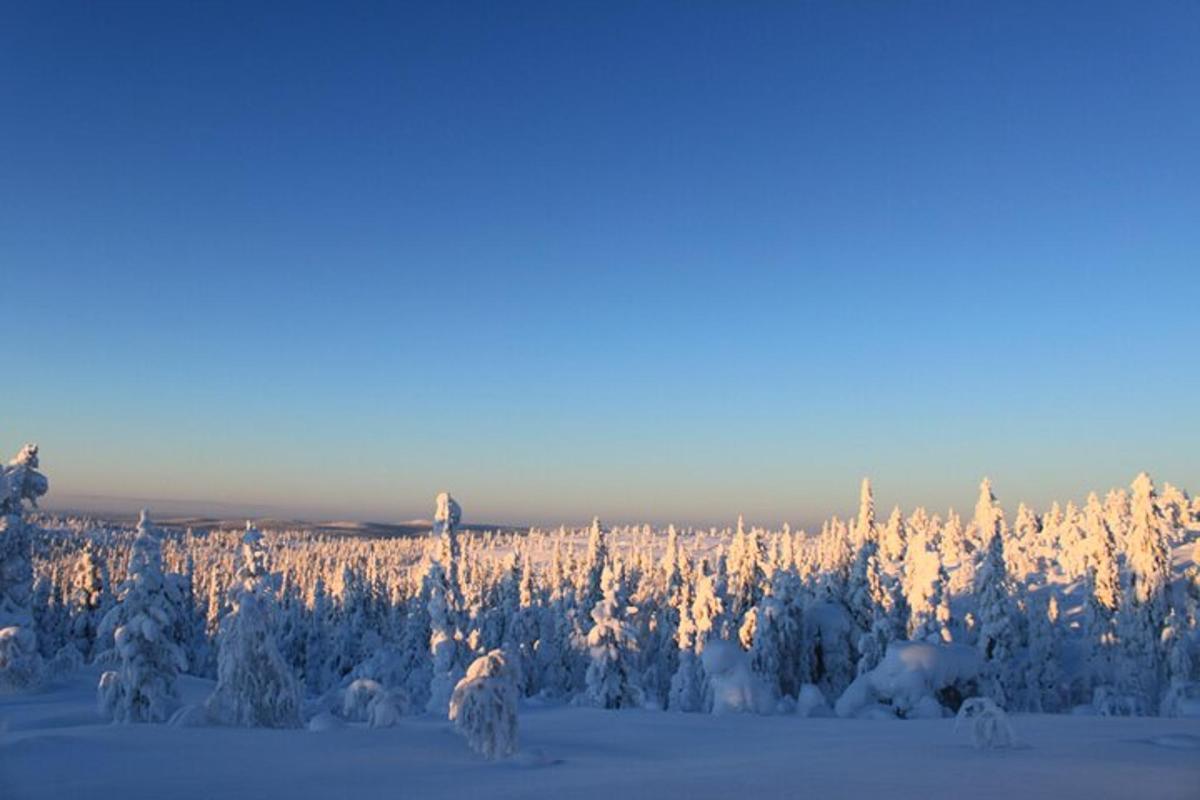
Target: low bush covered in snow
[
  {"x": 990, "y": 729},
  {"x": 915, "y": 679}
]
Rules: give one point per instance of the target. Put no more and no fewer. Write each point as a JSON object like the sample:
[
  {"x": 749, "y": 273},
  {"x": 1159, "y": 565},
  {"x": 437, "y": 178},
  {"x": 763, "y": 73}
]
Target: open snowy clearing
[{"x": 55, "y": 745}]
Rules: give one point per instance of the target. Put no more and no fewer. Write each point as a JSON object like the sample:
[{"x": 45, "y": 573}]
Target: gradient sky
[{"x": 655, "y": 261}]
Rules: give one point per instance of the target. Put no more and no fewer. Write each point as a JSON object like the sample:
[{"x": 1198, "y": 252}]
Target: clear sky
[{"x": 655, "y": 261}]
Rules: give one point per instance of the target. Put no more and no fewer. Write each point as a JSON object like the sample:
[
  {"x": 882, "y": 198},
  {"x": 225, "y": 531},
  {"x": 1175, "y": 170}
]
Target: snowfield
[{"x": 55, "y": 745}]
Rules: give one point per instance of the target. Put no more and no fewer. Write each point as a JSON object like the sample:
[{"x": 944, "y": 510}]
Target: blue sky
[{"x": 652, "y": 261}]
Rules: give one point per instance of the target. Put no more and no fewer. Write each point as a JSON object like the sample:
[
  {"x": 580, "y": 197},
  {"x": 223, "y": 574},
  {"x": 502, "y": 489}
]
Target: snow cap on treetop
[{"x": 448, "y": 514}]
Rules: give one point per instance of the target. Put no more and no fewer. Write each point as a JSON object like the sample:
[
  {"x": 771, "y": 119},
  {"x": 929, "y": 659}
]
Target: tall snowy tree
[
  {"x": 255, "y": 687},
  {"x": 687, "y": 684},
  {"x": 144, "y": 687},
  {"x": 1101, "y": 604},
  {"x": 997, "y": 637},
  {"x": 443, "y": 644},
  {"x": 612, "y": 675},
  {"x": 1141, "y": 618},
  {"x": 20, "y": 482}
]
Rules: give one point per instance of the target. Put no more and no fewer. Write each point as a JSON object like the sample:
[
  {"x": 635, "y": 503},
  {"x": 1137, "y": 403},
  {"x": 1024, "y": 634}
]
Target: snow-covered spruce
[
  {"x": 21, "y": 664},
  {"x": 255, "y": 687},
  {"x": 88, "y": 600},
  {"x": 612, "y": 679},
  {"x": 439, "y": 586},
  {"x": 143, "y": 687},
  {"x": 483, "y": 707},
  {"x": 443, "y": 644},
  {"x": 992, "y": 591}
]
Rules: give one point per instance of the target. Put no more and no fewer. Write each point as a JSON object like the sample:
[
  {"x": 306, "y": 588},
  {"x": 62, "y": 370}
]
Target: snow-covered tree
[
  {"x": 20, "y": 661},
  {"x": 443, "y": 644},
  {"x": 745, "y": 570},
  {"x": 990, "y": 728},
  {"x": 1042, "y": 678},
  {"x": 687, "y": 684},
  {"x": 255, "y": 687},
  {"x": 612, "y": 676},
  {"x": 864, "y": 524},
  {"x": 996, "y": 621},
  {"x": 590, "y": 591},
  {"x": 483, "y": 706},
  {"x": 893, "y": 542},
  {"x": 87, "y": 600},
  {"x": 1140, "y": 670},
  {"x": 143, "y": 688},
  {"x": 926, "y": 593},
  {"x": 1102, "y": 582},
  {"x": 1177, "y": 635},
  {"x": 763, "y": 637}
]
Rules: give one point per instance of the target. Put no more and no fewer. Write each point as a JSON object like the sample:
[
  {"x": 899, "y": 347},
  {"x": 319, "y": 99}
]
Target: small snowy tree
[
  {"x": 143, "y": 687},
  {"x": 894, "y": 542},
  {"x": 864, "y": 525},
  {"x": 255, "y": 687},
  {"x": 86, "y": 601},
  {"x": 990, "y": 729},
  {"x": 483, "y": 707},
  {"x": 590, "y": 590}
]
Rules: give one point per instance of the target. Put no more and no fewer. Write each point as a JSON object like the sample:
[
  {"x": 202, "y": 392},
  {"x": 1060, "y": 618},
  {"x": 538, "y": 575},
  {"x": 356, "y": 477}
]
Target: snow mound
[
  {"x": 989, "y": 724},
  {"x": 914, "y": 680},
  {"x": 812, "y": 703},
  {"x": 734, "y": 686}
]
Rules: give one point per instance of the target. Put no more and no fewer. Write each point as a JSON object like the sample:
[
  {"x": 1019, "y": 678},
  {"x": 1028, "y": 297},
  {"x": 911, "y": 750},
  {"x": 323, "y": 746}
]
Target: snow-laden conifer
[
  {"x": 612, "y": 675},
  {"x": 255, "y": 687},
  {"x": 483, "y": 706},
  {"x": 21, "y": 664},
  {"x": 143, "y": 687}
]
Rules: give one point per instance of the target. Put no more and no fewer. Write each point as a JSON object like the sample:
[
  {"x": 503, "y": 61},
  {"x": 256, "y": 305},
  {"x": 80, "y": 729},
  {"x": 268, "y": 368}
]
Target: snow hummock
[{"x": 912, "y": 681}]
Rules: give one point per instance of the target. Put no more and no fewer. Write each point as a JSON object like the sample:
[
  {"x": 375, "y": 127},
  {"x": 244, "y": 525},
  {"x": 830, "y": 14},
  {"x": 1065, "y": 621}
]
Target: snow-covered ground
[{"x": 53, "y": 744}]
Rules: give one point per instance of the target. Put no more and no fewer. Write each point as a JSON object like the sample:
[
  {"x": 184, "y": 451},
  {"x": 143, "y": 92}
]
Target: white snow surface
[{"x": 53, "y": 744}]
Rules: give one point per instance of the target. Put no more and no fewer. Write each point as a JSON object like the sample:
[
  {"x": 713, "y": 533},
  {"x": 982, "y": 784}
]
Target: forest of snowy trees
[{"x": 1084, "y": 609}]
